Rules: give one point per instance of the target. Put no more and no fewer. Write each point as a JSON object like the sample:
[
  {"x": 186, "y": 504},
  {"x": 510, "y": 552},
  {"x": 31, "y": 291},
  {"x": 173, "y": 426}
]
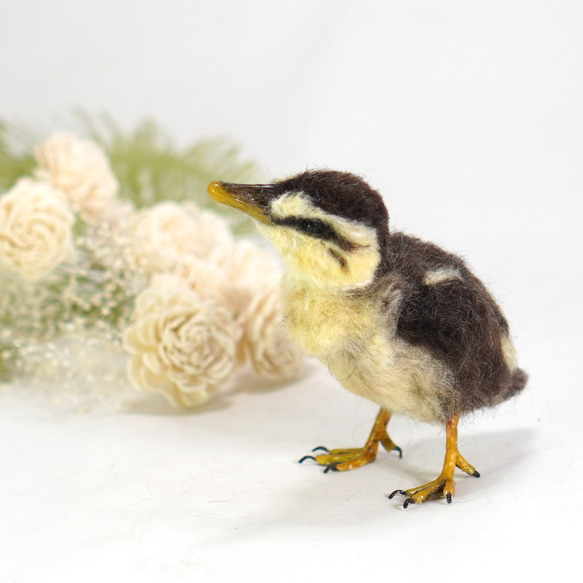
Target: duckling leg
[
  {"x": 444, "y": 485},
  {"x": 340, "y": 460}
]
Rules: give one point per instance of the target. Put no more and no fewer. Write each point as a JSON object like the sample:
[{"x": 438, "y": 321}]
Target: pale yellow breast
[
  {"x": 323, "y": 323},
  {"x": 360, "y": 346}
]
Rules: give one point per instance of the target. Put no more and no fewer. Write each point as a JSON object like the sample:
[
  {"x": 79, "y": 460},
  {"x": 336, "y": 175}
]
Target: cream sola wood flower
[
  {"x": 197, "y": 266},
  {"x": 169, "y": 235},
  {"x": 265, "y": 342},
  {"x": 182, "y": 345},
  {"x": 248, "y": 283},
  {"x": 35, "y": 229},
  {"x": 83, "y": 172}
]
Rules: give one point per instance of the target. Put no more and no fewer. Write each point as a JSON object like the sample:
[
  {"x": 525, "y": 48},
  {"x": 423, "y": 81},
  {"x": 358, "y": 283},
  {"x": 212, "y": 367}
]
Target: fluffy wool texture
[{"x": 397, "y": 320}]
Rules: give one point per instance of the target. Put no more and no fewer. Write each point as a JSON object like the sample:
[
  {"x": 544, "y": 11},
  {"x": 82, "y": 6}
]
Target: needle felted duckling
[{"x": 397, "y": 320}]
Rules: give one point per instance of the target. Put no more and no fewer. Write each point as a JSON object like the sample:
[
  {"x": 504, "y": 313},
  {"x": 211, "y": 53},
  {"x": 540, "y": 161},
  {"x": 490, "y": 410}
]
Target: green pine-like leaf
[
  {"x": 152, "y": 169},
  {"x": 146, "y": 161},
  {"x": 13, "y": 164}
]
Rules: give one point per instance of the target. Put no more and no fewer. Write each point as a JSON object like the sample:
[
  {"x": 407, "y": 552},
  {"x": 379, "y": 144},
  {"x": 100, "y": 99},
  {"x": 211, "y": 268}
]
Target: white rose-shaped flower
[
  {"x": 265, "y": 341},
  {"x": 251, "y": 265},
  {"x": 82, "y": 171},
  {"x": 248, "y": 271},
  {"x": 210, "y": 281},
  {"x": 248, "y": 284},
  {"x": 35, "y": 229},
  {"x": 181, "y": 345},
  {"x": 214, "y": 241},
  {"x": 168, "y": 235}
]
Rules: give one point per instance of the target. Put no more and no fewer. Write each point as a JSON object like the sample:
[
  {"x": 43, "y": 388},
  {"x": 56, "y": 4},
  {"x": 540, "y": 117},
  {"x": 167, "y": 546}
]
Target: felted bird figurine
[{"x": 397, "y": 320}]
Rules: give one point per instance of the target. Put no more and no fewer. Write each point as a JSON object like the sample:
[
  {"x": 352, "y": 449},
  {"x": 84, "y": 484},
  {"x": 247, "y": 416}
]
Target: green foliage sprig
[{"x": 147, "y": 162}]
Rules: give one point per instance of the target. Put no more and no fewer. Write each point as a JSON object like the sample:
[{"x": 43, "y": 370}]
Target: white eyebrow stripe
[
  {"x": 297, "y": 204},
  {"x": 440, "y": 275}
]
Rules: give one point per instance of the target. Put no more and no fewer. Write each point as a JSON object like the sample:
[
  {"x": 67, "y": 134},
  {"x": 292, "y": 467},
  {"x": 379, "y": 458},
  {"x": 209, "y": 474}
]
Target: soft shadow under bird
[{"x": 397, "y": 320}]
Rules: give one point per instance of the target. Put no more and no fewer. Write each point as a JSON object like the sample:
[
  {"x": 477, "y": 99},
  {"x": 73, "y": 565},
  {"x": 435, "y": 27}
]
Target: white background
[{"x": 468, "y": 117}]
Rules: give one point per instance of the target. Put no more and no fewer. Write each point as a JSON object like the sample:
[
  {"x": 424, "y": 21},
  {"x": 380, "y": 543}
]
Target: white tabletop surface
[{"x": 467, "y": 116}]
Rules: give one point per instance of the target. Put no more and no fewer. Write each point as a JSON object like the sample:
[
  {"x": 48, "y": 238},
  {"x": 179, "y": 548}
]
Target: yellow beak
[{"x": 252, "y": 199}]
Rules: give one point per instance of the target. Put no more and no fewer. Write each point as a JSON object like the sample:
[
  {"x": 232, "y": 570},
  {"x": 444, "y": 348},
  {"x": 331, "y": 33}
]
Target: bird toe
[
  {"x": 393, "y": 494},
  {"x": 307, "y": 457}
]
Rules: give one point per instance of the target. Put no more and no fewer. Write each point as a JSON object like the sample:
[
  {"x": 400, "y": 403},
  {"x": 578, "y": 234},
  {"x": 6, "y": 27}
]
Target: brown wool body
[{"x": 397, "y": 320}]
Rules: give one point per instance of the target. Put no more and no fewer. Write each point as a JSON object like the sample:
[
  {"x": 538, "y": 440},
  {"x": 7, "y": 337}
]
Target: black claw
[
  {"x": 307, "y": 457},
  {"x": 397, "y": 448},
  {"x": 476, "y": 474},
  {"x": 393, "y": 494},
  {"x": 407, "y": 502},
  {"x": 448, "y": 497},
  {"x": 321, "y": 447},
  {"x": 330, "y": 468}
]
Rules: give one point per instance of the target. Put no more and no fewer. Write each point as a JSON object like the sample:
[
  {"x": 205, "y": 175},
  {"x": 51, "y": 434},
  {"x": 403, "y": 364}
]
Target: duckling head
[{"x": 329, "y": 227}]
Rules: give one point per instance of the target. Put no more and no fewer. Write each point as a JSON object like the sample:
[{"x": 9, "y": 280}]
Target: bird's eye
[{"x": 316, "y": 228}]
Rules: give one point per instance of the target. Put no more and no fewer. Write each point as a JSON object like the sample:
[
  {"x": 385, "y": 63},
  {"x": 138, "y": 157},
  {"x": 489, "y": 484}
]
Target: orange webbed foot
[
  {"x": 444, "y": 485},
  {"x": 341, "y": 460}
]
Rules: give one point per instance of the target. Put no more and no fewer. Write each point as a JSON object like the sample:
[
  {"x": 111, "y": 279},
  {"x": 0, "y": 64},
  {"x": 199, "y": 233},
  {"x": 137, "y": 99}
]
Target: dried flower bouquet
[{"x": 106, "y": 253}]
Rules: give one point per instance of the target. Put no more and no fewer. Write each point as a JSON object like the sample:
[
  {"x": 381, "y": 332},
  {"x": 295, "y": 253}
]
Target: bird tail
[{"x": 517, "y": 382}]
